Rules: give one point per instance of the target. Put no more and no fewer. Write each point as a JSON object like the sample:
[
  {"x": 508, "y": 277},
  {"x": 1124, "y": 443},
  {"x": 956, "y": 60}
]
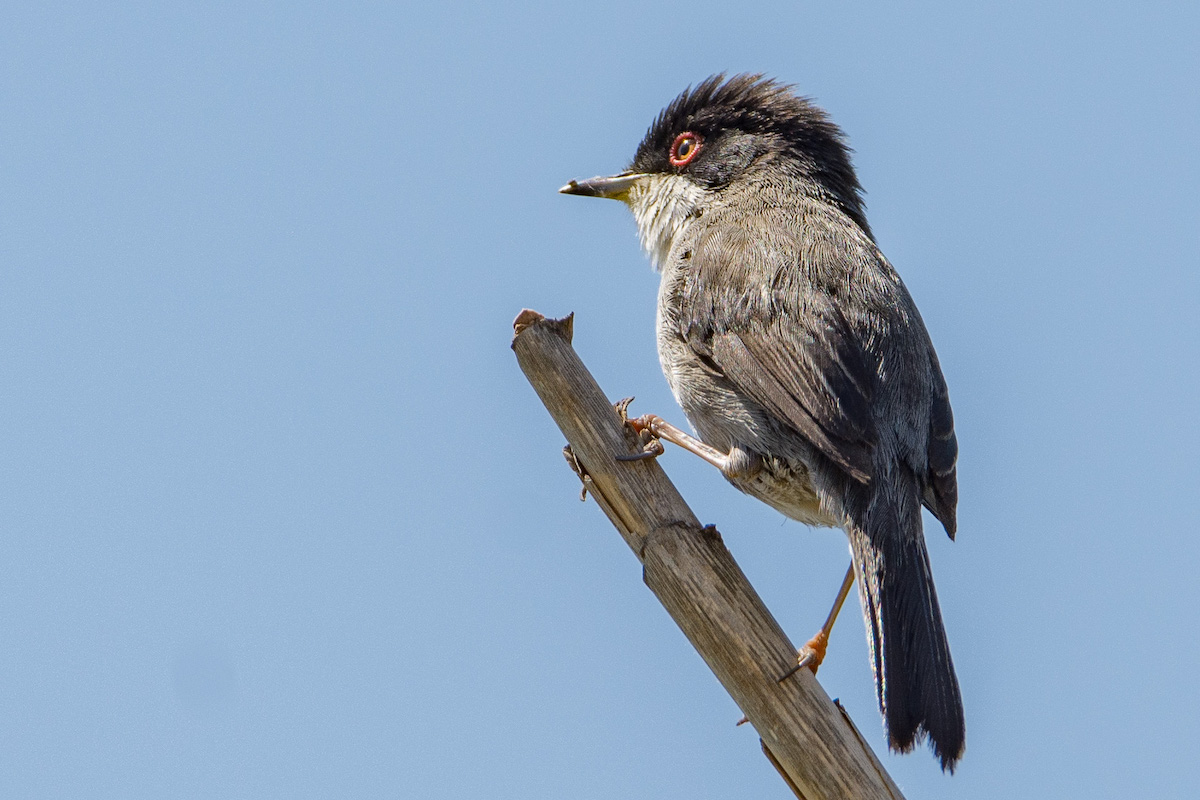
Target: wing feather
[{"x": 813, "y": 376}]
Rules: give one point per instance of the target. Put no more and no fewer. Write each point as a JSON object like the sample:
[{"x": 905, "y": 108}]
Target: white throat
[{"x": 663, "y": 206}]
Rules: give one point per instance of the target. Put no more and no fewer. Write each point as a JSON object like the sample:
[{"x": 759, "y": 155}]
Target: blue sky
[{"x": 281, "y": 517}]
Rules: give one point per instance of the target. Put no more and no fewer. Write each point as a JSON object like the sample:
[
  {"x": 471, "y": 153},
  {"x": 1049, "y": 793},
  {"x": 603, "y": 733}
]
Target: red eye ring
[{"x": 685, "y": 148}]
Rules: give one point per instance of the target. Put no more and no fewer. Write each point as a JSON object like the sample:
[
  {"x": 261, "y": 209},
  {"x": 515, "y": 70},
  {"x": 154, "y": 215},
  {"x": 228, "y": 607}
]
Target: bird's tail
[{"x": 914, "y": 675}]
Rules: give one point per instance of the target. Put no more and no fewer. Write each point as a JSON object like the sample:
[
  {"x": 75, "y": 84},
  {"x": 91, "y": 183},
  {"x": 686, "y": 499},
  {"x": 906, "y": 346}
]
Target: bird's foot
[
  {"x": 811, "y": 655},
  {"x": 645, "y": 423},
  {"x": 651, "y": 446},
  {"x": 813, "y": 652},
  {"x": 656, "y": 428},
  {"x": 577, "y": 468},
  {"x": 622, "y": 409}
]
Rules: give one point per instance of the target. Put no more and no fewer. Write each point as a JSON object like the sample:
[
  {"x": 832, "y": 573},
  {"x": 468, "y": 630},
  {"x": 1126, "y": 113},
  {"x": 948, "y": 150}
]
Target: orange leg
[{"x": 813, "y": 652}]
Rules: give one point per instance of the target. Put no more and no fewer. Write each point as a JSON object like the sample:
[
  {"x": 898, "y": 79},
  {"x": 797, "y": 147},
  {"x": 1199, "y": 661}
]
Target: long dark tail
[{"x": 914, "y": 675}]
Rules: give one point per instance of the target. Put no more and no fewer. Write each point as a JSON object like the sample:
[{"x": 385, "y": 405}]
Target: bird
[{"x": 800, "y": 359}]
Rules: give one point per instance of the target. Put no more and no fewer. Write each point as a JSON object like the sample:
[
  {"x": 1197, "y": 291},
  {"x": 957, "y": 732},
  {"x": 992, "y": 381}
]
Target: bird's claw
[
  {"x": 651, "y": 446},
  {"x": 577, "y": 468},
  {"x": 644, "y": 423},
  {"x": 807, "y": 658},
  {"x": 811, "y": 655},
  {"x": 622, "y": 409}
]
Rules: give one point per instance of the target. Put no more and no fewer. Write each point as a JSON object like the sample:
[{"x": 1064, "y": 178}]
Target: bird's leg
[
  {"x": 737, "y": 463},
  {"x": 813, "y": 652},
  {"x": 661, "y": 429}
]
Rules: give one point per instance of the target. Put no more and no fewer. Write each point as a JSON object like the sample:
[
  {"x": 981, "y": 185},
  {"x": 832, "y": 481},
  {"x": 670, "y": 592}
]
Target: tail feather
[{"x": 914, "y": 674}]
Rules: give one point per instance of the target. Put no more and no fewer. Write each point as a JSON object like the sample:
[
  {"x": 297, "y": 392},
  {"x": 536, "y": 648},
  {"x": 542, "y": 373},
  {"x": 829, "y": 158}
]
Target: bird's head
[{"x": 723, "y": 133}]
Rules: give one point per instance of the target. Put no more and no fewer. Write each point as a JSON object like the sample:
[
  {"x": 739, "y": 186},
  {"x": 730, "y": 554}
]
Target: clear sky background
[{"x": 280, "y": 516}]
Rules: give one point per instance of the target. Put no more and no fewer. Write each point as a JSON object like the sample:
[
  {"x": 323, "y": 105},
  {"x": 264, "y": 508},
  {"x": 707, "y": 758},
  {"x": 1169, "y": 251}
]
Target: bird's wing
[
  {"x": 793, "y": 352},
  {"x": 941, "y": 483},
  {"x": 812, "y": 378}
]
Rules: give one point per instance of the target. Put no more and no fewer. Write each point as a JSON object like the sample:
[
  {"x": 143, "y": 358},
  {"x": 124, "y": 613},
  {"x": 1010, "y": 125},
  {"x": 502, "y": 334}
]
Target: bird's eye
[{"x": 685, "y": 148}]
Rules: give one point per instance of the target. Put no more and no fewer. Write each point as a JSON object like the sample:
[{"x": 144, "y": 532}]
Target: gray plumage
[{"x": 792, "y": 345}]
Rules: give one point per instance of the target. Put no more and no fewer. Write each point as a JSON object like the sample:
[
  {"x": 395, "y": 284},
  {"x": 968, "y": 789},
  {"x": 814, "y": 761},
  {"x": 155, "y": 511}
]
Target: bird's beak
[{"x": 615, "y": 187}]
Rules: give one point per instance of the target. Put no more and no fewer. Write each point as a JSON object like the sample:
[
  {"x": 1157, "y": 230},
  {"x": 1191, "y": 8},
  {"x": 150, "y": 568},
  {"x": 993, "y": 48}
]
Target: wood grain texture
[{"x": 806, "y": 736}]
